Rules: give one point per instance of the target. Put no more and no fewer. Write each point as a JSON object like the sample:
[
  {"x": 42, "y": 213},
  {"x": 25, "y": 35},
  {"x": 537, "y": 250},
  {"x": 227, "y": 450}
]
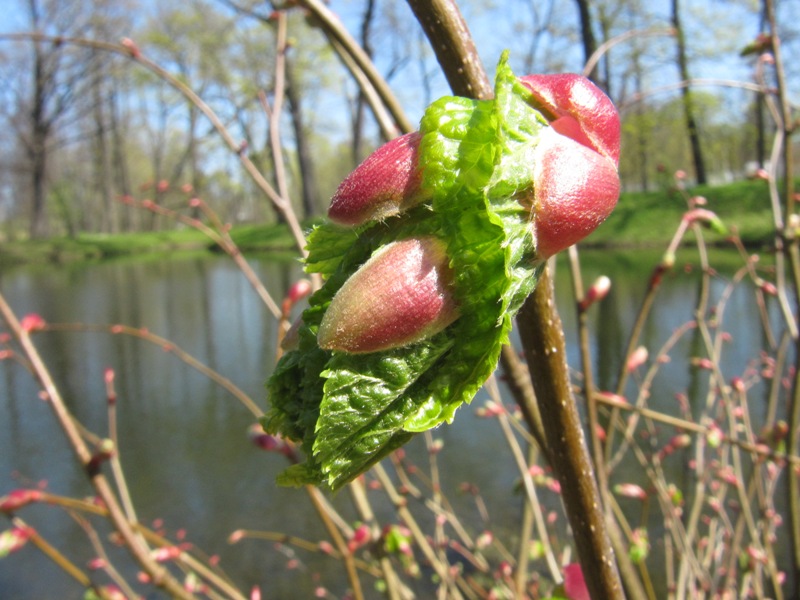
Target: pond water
[{"x": 183, "y": 439}]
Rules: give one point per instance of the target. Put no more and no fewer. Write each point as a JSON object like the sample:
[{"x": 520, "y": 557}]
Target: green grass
[
  {"x": 646, "y": 219},
  {"x": 641, "y": 220}
]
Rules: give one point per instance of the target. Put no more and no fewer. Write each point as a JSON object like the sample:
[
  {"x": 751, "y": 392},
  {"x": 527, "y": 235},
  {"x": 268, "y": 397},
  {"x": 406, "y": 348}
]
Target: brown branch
[
  {"x": 158, "y": 574},
  {"x": 542, "y": 335},
  {"x": 543, "y": 340},
  {"x": 336, "y": 30},
  {"x": 452, "y": 43}
]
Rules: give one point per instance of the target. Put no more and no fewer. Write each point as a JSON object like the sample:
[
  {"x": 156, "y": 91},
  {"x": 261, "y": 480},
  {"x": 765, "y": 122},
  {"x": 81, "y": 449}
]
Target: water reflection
[{"x": 183, "y": 442}]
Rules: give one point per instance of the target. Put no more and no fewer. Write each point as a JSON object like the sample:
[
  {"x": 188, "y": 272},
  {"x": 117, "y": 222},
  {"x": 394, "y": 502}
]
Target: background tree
[
  {"x": 58, "y": 75},
  {"x": 686, "y": 94}
]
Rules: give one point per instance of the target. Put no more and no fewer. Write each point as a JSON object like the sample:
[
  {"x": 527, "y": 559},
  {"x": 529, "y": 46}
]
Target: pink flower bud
[
  {"x": 32, "y": 322},
  {"x": 577, "y": 109},
  {"x": 575, "y": 189},
  {"x": 131, "y": 46},
  {"x": 630, "y": 490},
  {"x": 268, "y": 442},
  {"x": 574, "y": 583},
  {"x": 637, "y": 358},
  {"x": 361, "y": 537},
  {"x": 17, "y": 499},
  {"x": 165, "y": 553},
  {"x": 768, "y": 288},
  {"x": 12, "y": 540},
  {"x": 385, "y": 184},
  {"x": 112, "y": 592},
  {"x": 236, "y": 536},
  {"x": 399, "y": 296},
  {"x": 299, "y": 290},
  {"x": 484, "y": 540},
  {"x": 576, "y": 184},
  {"x": 596, "y": 292}
]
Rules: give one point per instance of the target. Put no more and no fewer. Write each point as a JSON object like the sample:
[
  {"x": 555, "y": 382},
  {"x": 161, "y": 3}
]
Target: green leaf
[
  {"x": 327, "y": 245},
  {"x": 349, "y": 411}
]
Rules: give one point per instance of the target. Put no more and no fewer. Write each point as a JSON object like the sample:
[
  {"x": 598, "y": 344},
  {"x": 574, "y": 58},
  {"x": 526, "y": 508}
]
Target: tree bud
[
  {"x": 575, "y": 189},
  {"x": 385, "y": 184},
  {"x": 399, "y": 296},
  {"x": 576, "y": 184},
  {"x": 577, "y": 109}
]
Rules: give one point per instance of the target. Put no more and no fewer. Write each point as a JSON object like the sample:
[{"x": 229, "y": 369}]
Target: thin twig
[
  {"x": 172, "y": 348},
  {"x": 159, "y": 575}
]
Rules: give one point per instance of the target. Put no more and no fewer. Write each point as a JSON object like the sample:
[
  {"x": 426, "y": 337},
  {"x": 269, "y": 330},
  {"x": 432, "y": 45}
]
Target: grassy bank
[
  {"x": 252, "y": 238},
  {"x": 641, "y": 219},
  {"x": 648, "y": 219}
]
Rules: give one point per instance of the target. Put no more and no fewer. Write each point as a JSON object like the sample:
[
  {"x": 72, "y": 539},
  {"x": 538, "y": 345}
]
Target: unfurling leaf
[{"x": 435, "y": 242}]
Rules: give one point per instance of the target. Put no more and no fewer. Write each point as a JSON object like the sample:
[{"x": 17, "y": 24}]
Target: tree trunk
[
  {"x": 121, "y": 173},
  {"x": 102, "y": 163},
  {"x": 40, "y": 130},
  {"x": 587, "y": 35},
  {"x": 361, "y": 101},
  {"x": 308, "y": 182},
  {"x": 688, "y": 100}
]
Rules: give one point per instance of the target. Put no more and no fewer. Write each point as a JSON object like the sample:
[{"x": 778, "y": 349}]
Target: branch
[
  {"x": 545, "y": 350},
  {"x": 159, "y": 575},
  {"x": 128, "y": 48},
  {"x": 333, "y": 27},
  {"x": 452, "y": 42},
  {"x": 542, "y": 335}
]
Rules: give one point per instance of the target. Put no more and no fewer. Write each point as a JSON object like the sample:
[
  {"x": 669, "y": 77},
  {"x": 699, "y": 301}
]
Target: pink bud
[
  {"x": 17, "y": 499},
  {"x": 682, "y": 440},
  {"x": 576, "y": 184},
  {"x": 112, "y": 592},
  {"x": 578, "y": 109},
  {"x": 385, "y": 184},
  {"x": 637, "y": 359},
  {"x": 630, "y": 490},
  {"x": 399, "y": 296},
  {"x": 361, "y": 537},
  {"x": 596, "y": 292},
  {"x": 165, "y": 553},
  {"x": 12, "y": 540},
  {"x": 131, "y": 46},
  {"x": 768, "y": 288},
  {"x": 32, "y": 322},
  {"x": 299, "y": 290},
  {"x": 574, "y": 584},
  {"x": 236, "y": 536},
  {"x": 268, "y": 442},
  {"x": 484, "y": 540},
  {"x": 575, "y": 189}
]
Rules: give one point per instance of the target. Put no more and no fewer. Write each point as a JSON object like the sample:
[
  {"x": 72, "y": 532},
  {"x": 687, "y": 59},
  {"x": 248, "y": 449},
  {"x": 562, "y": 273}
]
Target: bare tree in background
[
  {"x": 58, "y": 72},
  {"x": 587, "y": 34},
  {"x": 686, "y": 94}
]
